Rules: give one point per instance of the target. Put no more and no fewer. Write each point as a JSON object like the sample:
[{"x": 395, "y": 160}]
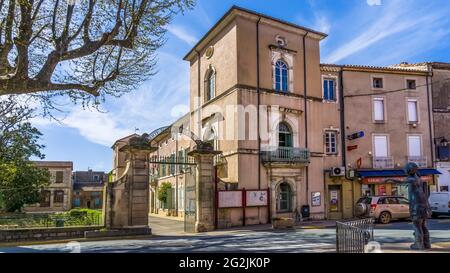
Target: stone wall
[{"x": 41, "y": 234}]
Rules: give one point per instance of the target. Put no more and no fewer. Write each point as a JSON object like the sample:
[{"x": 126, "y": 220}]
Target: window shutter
[{"x": 412, "y": 111}]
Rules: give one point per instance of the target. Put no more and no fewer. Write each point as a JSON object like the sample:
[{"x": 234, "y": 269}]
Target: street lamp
[{"x": 442, "y": 143}]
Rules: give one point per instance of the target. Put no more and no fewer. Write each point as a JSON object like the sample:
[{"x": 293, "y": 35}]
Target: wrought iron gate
[
  {"x": 186, "y": 166},
  {"x": 353, "y": 236}
]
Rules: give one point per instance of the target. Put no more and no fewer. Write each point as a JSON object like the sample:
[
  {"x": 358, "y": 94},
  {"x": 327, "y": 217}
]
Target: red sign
[
  {"x": 353, "y": 147},
  {"x": 379, "y": 180}
]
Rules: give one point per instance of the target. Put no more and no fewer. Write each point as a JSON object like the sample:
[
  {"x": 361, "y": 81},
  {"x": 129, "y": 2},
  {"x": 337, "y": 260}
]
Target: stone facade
[
  {"x": 57, "y": 197},
  {"x": 88, "y": 187}
]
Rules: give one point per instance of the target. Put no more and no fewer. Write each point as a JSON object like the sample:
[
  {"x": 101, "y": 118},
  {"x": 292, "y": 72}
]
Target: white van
[{"x": 440, "y": 203}]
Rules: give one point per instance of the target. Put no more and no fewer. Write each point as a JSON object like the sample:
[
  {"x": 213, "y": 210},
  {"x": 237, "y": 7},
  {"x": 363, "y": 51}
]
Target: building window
[
  {"x": 411, "y": 84},
  {"x": 284, "y": 135},
  {"x": 96, "y": 178},
  {"x": 284, "y": 203},
  {"x": 329, "y": 89},
  {"x": 377, "y": 82},
  {"x": 58, "y": 196},
  {"x": 378, "y": 110},
  {"x": 412, "y": 111},
  {"x": 59, "y": 177},
  {"x": 281, "y": 76},
  {"x": 414, "y": 146},
  {"x": 381, "y": 146},
  {"x": 331, "y": 142},
  {"x": 211, "y": 84},
  {"x": 45, "y": 198}
]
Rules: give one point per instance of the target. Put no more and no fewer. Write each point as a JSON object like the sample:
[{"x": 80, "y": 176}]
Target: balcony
[
  {"x": 421, "y": 161},
  {"x": 383, "y": 162},
  {"x": 285, "y": 155}
]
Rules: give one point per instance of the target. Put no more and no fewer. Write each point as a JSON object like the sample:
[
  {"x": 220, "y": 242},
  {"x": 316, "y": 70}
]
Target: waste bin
[
  {"x": 59, "y": 222},
  {"x": 305, "y": 211}
]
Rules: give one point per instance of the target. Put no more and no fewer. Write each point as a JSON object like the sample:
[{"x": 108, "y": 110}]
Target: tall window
[
  {"x": 58, "y": 196},
  {"x": 45, "y": 198},
  {"x": 412, "y": 111},
  {"x": 331, "y": 142},
  {"x": 211, "y": 85},
  {"x": 59, "y": 177},
  {"x": 281, "y": 76},
  {"x": 284, "y": 203},
  {"x": 381, "y": 146},
  {"x": 378, "y": 110},
  {"x": 284, "y": 135},
  {"x": 329, "y": 89},
  {"x": 414, "y": 146}
]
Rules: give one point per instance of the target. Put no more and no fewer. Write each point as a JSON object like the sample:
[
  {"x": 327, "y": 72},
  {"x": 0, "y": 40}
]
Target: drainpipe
[
  {"x": 257, "y": 111},
  {"x": 306, "y": 113},
  {"x": 430, "y": 121},
  {"x": 199, "y": 133},
  {"x": 342, "y": 119}
]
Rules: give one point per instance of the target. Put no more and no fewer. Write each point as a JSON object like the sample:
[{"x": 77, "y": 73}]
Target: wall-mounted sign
[
  {"x": 316, "y": 199},
  {"x": 380, "y": 180},
  {"x": 351, "y": 148},
  {"x": 256, "y": 198},
  {"x": 355, "y": 135},
  {"x": 230, "y": 199},
  {"x": 210, "y": 52},
  {"x": 334, "y": 200}
]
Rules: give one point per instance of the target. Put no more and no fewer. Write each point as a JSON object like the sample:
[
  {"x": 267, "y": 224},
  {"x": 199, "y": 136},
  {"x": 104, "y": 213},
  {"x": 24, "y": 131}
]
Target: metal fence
[
  {"x": 49, "y": 220},
  {"x": 352, "y": 236}
]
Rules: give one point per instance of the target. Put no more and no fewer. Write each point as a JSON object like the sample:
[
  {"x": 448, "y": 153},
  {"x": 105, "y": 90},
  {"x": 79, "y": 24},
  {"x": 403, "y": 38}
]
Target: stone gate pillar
[{"x": 205, "y": 187}]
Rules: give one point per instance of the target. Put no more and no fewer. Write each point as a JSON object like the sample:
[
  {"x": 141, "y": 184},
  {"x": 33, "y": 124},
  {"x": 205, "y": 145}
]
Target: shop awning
[{"x": 392, "y": 173}]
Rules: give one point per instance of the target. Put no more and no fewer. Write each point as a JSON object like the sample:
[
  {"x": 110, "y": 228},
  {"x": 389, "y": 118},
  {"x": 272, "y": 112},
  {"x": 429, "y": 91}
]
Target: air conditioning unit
[{"x": 338, "y": 171}]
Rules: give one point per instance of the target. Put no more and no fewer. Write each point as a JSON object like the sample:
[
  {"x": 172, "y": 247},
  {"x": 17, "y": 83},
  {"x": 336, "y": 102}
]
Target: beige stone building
[
  {"x": 317, "y": 137},
  {"x": 58, "y": 195}
]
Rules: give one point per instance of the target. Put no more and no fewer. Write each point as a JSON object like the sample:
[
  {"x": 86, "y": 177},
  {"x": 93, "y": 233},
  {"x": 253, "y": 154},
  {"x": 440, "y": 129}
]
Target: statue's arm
[{"x": 396, "y": 181}]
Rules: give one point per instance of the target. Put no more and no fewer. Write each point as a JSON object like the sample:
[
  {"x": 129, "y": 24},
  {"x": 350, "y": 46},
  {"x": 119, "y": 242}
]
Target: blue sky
[{"x": 374, "y": 32}]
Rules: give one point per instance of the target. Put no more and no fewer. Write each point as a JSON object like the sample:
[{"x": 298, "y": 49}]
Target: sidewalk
[
  {"x": 404, "y": 248},
  {"x": 316, "y": 224}
]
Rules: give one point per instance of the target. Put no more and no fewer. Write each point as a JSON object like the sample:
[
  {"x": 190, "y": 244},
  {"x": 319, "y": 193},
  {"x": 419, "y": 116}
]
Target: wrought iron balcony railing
[
  {"x": 421, "y": 161},
  {"x": 285, "y": 155},
  {"x": 383, "y": 162}
]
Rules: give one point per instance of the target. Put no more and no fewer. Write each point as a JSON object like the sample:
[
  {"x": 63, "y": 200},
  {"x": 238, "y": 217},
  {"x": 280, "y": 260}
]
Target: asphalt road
[{"x": 241, "y": 240}]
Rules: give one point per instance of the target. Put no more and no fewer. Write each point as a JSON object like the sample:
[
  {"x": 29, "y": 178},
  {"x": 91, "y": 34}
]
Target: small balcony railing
[
  {"x": 421, "y": 161},
  {"x": 285, "y": 155},
  {"x": 383, "y": 162}
]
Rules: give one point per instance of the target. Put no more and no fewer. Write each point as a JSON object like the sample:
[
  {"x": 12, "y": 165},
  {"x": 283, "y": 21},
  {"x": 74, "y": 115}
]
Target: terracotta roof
[{"x": 335, "y": 67}]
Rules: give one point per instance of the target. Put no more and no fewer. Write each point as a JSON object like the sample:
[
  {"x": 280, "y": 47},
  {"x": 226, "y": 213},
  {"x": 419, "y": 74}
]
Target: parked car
[
  {"x": 440, "y": 203},
  {"x": 383, "y": 208}
]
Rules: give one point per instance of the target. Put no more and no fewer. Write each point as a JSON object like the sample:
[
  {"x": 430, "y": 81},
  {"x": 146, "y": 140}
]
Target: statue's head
[{"x": 411, "y": 168}]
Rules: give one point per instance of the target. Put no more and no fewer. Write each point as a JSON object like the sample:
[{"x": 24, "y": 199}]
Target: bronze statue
[{"x": 418, "y": 206}]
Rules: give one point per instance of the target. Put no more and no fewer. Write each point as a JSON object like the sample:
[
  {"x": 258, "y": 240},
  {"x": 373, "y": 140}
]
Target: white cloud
[
  {"x": 182, "y": 34},
  {"x": 398, "y": 18},
  {"x": 100, "y": 128},
  {"x": 321, "y": 23}
]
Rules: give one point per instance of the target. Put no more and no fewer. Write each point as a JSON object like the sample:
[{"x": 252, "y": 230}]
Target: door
[
  {"x": 334, "y": 202},
  {"x": 404, "y": 207}
]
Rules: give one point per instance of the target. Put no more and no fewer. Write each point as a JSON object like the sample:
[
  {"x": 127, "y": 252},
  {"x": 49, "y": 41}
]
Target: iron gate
[
  {"x": 186, "y": 166},
  {"x": 353, "y": 236}
]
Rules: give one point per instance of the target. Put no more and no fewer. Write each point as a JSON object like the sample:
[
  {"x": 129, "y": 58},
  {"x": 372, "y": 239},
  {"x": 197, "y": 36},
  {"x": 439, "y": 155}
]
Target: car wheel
[{"x": 385, "y": 217}]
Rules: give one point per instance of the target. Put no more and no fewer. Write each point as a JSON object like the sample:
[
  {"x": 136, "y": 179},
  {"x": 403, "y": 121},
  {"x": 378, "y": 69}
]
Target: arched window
[
  {"x": 284, "y": 135},
  {"x": 281, "y": 76},
  {"x": 284, "y": 200},
  {"x": 210, "y": 137},
  {"x": 210, "y": 84}
]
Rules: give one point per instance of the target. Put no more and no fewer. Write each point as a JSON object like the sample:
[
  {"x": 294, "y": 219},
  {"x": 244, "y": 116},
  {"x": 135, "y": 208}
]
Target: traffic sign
[{"x": 355, "y": 135}]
